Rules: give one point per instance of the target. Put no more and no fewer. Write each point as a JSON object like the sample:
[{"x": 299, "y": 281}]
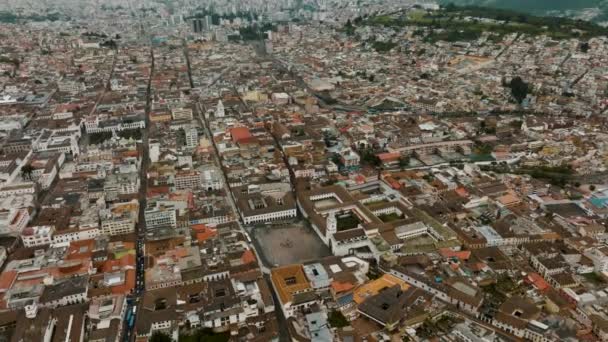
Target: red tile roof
[
  {"x": 389, "y": 157},
  {"x": 128, "y": 285},
  {"x": 248, "y": 257},
  {"x": 6, "y": 280},
  {"x": 448, "y": 253},
  {"x": 239, "y": 133},
  {"x": 203, "y": 232},
  {"x": 339, "y": 286},
  {"x": 539, "y": 282}
]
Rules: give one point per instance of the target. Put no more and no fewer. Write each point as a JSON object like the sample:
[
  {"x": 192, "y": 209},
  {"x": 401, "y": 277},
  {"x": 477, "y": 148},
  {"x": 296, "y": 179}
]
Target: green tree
[
  {"x": 404, "y": 161},
  {"x": 349, "y": 28},
  {"x": 337, "y": 320},
  {"x": 204, "y": 335},
  {"x": 159, "y": 336},
  {"x": 519, "y": 89},
  {"x": 26, "y": 172},
  {"x": 383, "y": 46},
  {"x": 368, "y": 157}
]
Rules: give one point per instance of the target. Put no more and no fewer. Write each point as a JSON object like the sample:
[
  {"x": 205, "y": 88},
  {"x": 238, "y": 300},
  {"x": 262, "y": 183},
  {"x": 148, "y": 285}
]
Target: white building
[
  {"x": 70, "y": 86},
  {"x": 154, "y": 152},
  {"x": 13, "y": 221},
  {"x": 187, "y": 179},
  {"x": 158, "y": 215},
  {"x": 64, "y": 238},
  {"x": 103, "y": 123},
  {"x": 280, "y": 98},
  {"x": 191, "y": 137},
  {"x": 271, "y": 216},
  {"x": 51, "y": 141},
  {"x": 599, "y": 256},
  {"x": 66, "y": 292},
  {"x": 16, "y": 189},
  {"x": 181, "y": 114},
  {"x": 220, "y": 111},
  {"x": 37, "y": 236},
  {"x": 117, "y": 225},
  {"x": 12, "y": 122},
  {"x": 211, "y": 178},
  {"x": 46, "y": 168},
  {"x": 121, "y": 184}
]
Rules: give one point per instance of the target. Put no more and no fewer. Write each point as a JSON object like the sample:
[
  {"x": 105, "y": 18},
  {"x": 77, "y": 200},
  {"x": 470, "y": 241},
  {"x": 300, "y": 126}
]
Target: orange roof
[
  {"x": 248, "y": 140},
  {"x": 110, "y": 266},
  {"x": 203, "y": 232},
  {"x": 80, "y": 249},
  {"x": 75, "y": 267},
  {"x": 389, "y": 157},
  {"x": 118, "y": 264},
  {"x": 198, "y": 226},
  {"x": 297, "y": 281},
  {"x": 124, "y": 207},
  {"x": 6, "y": 280},
  {"x": 374, "y": 287},
  {"x": 462, "y": 192},
  {"x": 128, "y": 285},
  {"x": 178, "y": 253},
  {"x": 248, "y": 257},
  {"x": 339, "y": 286},
  {"x": 239, "y": 133},
  {"x": 64, "y": 272},
  {"x": 393, "y": 182},
  {"x": 509, "y": 199},
  {"x": 539, "y": 282},
  {"x": 130, "y": 153},
  {"x": 477, "y": 266},
  {"x": 157, "y": 190},
  {"x": 448, "y": 253}
]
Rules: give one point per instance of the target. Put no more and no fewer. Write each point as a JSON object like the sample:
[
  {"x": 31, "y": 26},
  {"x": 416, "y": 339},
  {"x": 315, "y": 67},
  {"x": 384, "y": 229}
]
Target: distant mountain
[{"x": 592, "y": 10}]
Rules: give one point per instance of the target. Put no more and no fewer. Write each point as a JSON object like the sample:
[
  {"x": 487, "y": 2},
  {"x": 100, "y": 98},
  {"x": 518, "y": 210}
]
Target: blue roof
[
  {"x": 317, "y": 275},
  {"x": 317, "y": 325},
  {"x": 345, "y": 300},
  {"x": 599, "y": 202},
  {"x": 488, "y": 233}
]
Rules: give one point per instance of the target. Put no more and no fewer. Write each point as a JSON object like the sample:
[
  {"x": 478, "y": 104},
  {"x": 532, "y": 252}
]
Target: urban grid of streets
[
  {"x": 133, "y": 300},
  {"x": 302, "y": 170}
]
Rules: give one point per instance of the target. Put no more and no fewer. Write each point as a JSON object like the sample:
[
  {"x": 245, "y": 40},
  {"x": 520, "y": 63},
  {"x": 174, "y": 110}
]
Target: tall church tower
[
  {"x": 332, "y": 224},
  {"x": 219, "y": 111}
]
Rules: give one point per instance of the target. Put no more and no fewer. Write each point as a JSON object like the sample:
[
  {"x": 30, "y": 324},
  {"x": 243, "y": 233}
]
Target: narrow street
[
  {"x": 284, "y": 335},
  {"x": 140, "y": 228}
]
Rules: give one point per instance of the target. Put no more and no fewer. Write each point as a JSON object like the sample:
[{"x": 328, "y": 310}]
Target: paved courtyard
[{"x": 288, "y": 244}]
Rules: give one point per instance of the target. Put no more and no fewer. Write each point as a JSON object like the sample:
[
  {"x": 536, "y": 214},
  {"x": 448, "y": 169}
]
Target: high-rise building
[
  {"x": 207, "y": 23},
  {"x": 268, "y": 46},
  {"x": 191, "y": 137},
  {"x": 175, "y": 19},
  {"x": 221, "y": 36},
  {"x": 197, "y": 25}
]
